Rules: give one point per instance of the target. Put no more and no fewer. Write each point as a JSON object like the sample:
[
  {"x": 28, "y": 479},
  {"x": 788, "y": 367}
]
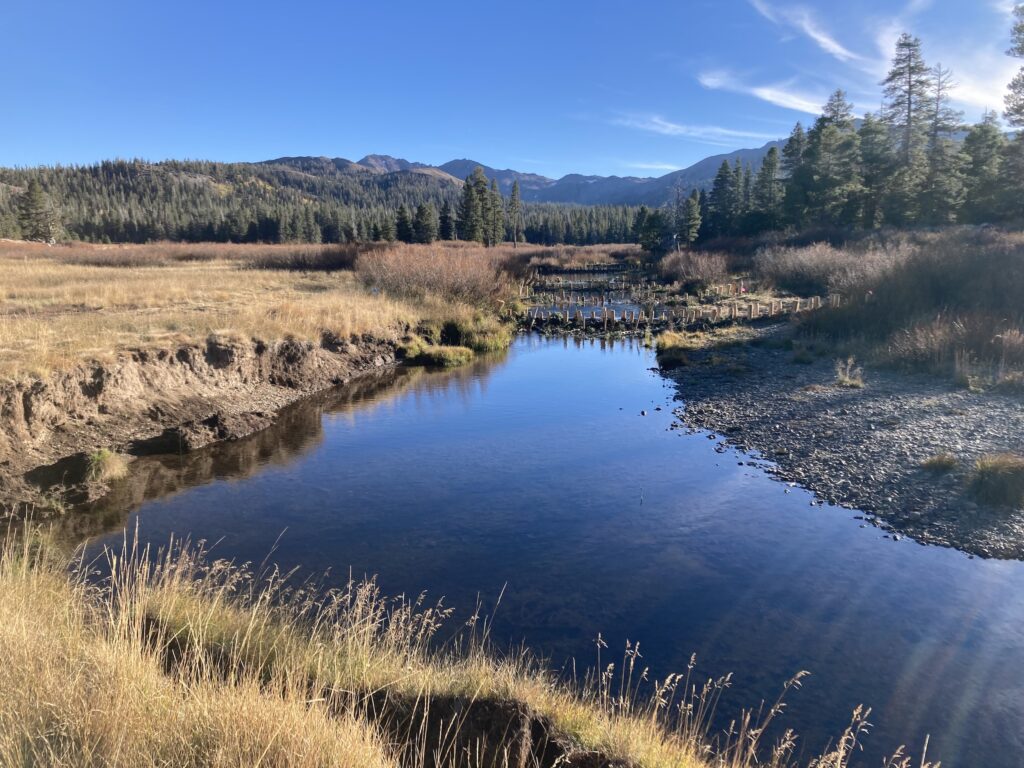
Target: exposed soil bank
[
  {"x": 157, "y": 401},
  {"x": 862, "y": 448}
]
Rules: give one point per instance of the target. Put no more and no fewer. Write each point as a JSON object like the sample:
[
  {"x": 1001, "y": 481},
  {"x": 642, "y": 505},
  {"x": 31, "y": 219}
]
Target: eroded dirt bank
[
  {"x": 861, "y": 448},
  {"x": 150, "y": 401}
]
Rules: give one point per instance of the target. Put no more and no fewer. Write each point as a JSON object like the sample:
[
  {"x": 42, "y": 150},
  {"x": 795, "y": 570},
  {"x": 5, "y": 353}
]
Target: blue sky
[{"x": 552, "y": 87}]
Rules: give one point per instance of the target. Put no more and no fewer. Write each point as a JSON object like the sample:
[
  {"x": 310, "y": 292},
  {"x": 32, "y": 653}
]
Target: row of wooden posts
[{"x": 751, "y": 310}]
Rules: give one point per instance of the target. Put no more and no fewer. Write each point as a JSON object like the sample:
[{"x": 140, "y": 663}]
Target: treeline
[
  {"x": 484, "y": 215},
  {"x": 190, "y": 201},
  {"x": 912, "y": 164}
]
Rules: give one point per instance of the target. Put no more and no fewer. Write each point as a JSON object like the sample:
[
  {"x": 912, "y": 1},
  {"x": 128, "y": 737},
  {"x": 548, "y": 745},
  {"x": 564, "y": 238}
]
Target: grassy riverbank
[
  {"x": 66, "y": 304},
  {"x": 192, "y": 663},
  {"x": 944, "y": 302}
]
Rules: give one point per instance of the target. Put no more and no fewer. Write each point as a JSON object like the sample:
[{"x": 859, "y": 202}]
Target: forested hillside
[{"x": 290, "y": 200}]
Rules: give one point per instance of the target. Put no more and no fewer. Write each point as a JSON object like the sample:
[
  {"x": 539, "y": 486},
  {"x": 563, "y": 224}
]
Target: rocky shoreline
[{"x": 860, "y": 448}]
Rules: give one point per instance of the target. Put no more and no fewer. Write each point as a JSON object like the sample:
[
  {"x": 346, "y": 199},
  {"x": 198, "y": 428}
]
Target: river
[{"x": 534, "y": 476}]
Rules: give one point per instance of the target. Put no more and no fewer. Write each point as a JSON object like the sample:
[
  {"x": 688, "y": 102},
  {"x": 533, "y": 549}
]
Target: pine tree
[
  {"x": 877, "y": 164},
  {"x": 692, "y": 218},
  {"x": 1015, "y": 96},
  {"x": 722, "y": 202},
  {"x": 943, "y": 192},
  {"x": 656, "y": 233},
  {"x": 797, "y": 186},
  {"x": 833, "y": 163},
  {"x": 679, "y": 229},
  {"x": 767, "y": 194},
  {"x": 310, "y": 229},
  {"x": 1013, "y": 180},
  {"x": 474, "y": 209},
  {"x": 984, "y": 148},
  {"x": 425, "y": 224},
  {"x": 36, "y": 215},
  {"x": 496, "y": 210},
  {"x": 907, "y": 98},
  {"x": 447, "y": 229},
  {"x": 739, "y": 195},
  {"x": 640, "y": 222},
  {"x": 403, "y": 225},
  {"x": 515, "y": 213}
]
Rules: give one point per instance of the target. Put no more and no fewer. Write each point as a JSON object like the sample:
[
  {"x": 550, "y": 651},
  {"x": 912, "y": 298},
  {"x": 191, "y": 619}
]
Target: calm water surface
[{"x": 536, "y": 474}]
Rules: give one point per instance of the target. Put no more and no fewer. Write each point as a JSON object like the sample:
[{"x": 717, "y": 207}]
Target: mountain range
[{"x": 573, "y": 189}]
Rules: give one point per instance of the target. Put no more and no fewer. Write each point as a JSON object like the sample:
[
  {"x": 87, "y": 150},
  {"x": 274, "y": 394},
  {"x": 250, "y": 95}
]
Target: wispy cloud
[
  {"x": 981, "y": 78},
  {"x": 785, "y": 94},
  {"x": 708, "y": 134},
  {"x": 1005, "y": 7},
  {"x": 652, "y": 166},
  {"x": 804, "y": 21}
]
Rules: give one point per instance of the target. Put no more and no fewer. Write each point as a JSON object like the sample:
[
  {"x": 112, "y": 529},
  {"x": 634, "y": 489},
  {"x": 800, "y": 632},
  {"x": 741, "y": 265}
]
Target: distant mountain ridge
[{"x": 575, "y": 189}]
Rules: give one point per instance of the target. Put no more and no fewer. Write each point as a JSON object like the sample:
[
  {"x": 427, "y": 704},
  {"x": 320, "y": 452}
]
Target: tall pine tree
[
  {"x": 447, "y": 229},
  {"x": 984, "y": 147},
  {"x": 1013, "y": 159},
  {"x": 907, "y": 96},
  {"x": 877, "y": 164},
  {"x": 403, "y": 225},
  {"x": 942, "y": 194},
  {"x": 496, "y": 211},
  {"x": 767, "y": 194},
  {"x": 425, "y": 224},
  {"x": 515, "y": 214},
  {"x": 722, "y": 202},
  {"x": 36, "y": 215},
  {"x": 832, "y": 161},
  {"x": 797, "y": 185},
  {"x": 905, "y": 111},
  {"x": 1015, "y": 96},
  {"x": 474, "y": 207},
  {"x": 692, "y": 218}
]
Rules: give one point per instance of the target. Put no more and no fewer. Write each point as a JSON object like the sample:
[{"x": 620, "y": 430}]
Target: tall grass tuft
[
  {"x": 848, "y": 374},
  {"x": 999, "y": 479},
  {"x": 105, "y": 465}
]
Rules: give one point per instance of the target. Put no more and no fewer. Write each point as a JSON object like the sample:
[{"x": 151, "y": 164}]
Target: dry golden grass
[
  {"x": 173, "y": 660},
  {"x": 59, "y": 306},
  {"x": 673, "y": 347},
  {"x": 105, "y": 465},
  {"x": 947, "y": 301},
  {"x": 81, "y": 687},
  {"x": 940, "y": 463},
  {"x": 999, "y": 479}
]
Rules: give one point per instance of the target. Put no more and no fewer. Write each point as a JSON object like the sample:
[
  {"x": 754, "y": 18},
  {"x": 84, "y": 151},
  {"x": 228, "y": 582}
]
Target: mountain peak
[{"x": 388, "y": 164}]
